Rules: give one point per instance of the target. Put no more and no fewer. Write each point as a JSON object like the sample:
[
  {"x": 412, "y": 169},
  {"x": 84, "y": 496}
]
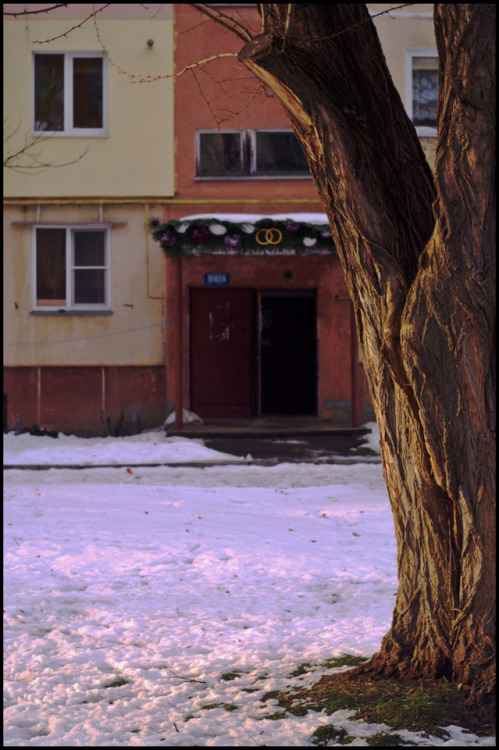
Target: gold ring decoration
[{"x": 270, "y": 236}]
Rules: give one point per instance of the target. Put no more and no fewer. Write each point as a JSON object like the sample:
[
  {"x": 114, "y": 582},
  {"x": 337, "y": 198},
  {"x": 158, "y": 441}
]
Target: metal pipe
[
  {"x": 354, "y": 368},
  {"x": 152, "y": 201},
  {"x": 179, "y": 395}
]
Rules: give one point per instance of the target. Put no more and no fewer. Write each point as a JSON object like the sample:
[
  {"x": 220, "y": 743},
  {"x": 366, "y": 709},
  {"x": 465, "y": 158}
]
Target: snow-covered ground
[{"x": 159, "y": 605}]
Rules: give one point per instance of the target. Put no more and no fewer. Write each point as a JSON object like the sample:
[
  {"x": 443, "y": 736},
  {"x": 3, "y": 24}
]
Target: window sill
[
  {"x": 63, "y": 312},
  {"x": 252, "y": 178},
  {"x": 80, "y": 133}
]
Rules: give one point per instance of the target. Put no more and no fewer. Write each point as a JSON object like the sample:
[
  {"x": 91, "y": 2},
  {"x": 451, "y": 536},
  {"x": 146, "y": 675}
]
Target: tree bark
[{"x": 419, "y": 261}]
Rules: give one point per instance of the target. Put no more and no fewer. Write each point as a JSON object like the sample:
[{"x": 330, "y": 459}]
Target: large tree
[{"x": 419, "y": 260}]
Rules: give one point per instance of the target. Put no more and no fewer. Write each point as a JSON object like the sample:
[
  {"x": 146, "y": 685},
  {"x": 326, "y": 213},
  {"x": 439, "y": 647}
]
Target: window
[
  {"x": 71, "y": 268},
  {"x": 70, "y": 94},
  {"x": 422, "y": 89},
  {"x": 220, "y": 154},
  {"x": 249, "y": 153}
]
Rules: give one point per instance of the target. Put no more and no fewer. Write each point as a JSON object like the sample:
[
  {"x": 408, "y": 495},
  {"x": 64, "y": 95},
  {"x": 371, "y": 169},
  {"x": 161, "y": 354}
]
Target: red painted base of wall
[{"x": 85, "y": 401}]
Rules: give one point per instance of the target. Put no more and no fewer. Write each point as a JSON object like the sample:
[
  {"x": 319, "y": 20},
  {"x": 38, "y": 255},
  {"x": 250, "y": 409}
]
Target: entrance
[
  {"x": 288, "y": 353},
  {"x": 253, "y": 353},
  {"x": 223, "y": 352}
]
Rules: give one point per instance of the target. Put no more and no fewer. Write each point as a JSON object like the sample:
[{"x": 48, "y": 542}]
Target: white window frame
[
  {"x": 409, "y": 54},
  {"x": 70, "y": 305},
  {"x": 69, "y": 131},
  {"x": 248, "y": 136}
]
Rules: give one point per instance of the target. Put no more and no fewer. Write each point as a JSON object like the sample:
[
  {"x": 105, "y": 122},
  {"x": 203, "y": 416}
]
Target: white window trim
[
  {"x": 69, "y": 131},
  {"x": 409, "y": 54},
  {"x": 245, "y": 133},
  {"x": 70, "y": 268}
]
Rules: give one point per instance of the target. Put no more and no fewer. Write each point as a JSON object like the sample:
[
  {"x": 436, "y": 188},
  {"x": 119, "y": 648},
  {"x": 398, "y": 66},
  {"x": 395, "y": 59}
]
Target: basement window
[{"x": 71, "y": 269}]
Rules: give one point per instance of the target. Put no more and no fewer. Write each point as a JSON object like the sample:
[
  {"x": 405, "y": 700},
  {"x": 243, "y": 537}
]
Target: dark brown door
[{"x": 222, "y": 325}]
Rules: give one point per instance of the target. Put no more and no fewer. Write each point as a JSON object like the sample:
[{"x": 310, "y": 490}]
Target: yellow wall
[
  {"x": 138, "y": 290},
  {"x": 411, "y": 26},
  {"x": 136, "y": 159}
]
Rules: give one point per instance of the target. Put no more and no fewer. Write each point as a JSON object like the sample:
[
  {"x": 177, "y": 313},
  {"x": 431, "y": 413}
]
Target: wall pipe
[
  {"x": 354, "y": 368},
  {"x": 179, "y": 394},
  {"x": 153, "y": 201}
]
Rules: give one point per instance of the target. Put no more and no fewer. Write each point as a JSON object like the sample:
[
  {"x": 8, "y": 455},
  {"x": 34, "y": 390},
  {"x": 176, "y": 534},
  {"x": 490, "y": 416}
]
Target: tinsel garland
[{"x": 209, "y": 236}]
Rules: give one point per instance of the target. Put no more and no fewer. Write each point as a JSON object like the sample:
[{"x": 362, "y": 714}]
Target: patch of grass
[
  {"x": 326, "y": 732},
  {"x": 276, "y": 716},
  {"x": 298, "y": 710},
  {"x": 422, "y": 706},
  {"x": 345, "y": 660},
  {"x": 209, "y": 706},
  {"x": 386, "y": 739},
  {"x": 228, "y": 676},
  {"x": 118, "y": 682},
  {"x": 302, "y": 669},
  {"x": 230, "y": 706},
  {"x": 250, "y": 690},
  {"x": 271, "y": 695}
]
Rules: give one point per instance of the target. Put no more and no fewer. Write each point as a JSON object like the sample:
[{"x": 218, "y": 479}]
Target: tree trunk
[{"x": 419, "y": 261}]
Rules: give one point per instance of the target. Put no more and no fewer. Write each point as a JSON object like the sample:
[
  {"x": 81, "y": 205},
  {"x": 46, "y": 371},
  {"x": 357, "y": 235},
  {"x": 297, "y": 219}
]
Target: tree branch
[
  {"x": 217, "y": 16},
  {"x": 46, "y": 41},
  {"x": 35, "y": 12}
]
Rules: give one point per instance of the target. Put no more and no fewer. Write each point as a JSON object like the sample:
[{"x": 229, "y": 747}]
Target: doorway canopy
[{"x": 245, "y": 234}]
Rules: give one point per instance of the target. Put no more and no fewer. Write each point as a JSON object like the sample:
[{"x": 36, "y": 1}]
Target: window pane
[
  {"x": 279, "y": 154},
  {"x": 424, "y": 91},
  {"x": 89, "y": 286},
  {"x": 87, "y": 92},
  {"x": 219, "y": 154},
  {"x": 51, "y": 266},
  {"x": 89, "y": 249},
  {"x": 49, "y": 92}
]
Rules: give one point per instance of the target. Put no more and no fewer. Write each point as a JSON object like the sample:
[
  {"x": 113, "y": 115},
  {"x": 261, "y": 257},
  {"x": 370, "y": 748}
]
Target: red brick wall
[{"x": 80, "y": 400}]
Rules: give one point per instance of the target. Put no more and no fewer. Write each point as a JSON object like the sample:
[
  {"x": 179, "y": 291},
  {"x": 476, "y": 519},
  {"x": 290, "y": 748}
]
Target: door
[
  {"x": 288, "y": 352},
  {"x": 222, "y": 341}
]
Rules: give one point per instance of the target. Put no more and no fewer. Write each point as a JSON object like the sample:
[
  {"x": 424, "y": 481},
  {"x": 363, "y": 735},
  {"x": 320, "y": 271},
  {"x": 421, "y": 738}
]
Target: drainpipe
[
  {"x": 354, "y": 368},
  {"x": 179, "y": 396}
]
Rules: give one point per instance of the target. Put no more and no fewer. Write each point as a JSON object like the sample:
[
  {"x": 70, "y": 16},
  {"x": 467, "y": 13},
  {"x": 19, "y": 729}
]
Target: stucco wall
[
  {"x": 132, "y": 335},
  {"x": 136, "y": 157}
]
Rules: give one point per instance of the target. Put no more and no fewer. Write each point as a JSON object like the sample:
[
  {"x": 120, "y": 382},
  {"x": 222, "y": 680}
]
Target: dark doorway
[
  {"x": 223, "y": 361},
  {"x": 288, "y": 351}
]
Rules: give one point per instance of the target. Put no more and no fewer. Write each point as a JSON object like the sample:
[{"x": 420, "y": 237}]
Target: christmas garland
[{"x": 194, "y": 237}]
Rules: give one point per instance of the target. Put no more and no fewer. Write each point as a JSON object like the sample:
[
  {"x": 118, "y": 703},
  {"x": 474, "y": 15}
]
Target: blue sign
[{"x": 216, "y": 279}]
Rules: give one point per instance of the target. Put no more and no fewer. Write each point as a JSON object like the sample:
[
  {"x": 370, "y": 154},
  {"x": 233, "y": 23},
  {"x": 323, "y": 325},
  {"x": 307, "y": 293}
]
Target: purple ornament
[
  {"x": 292, "y": 227},
  {"x": 232, "y": 243},
  {"x": 200, "y": 235},
  {"x": 326, "y": 235},
  {"x": 168, "y": 238}
]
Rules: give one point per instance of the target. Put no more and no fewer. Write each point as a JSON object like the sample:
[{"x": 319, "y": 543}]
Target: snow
[
  {"x": 133, "y": 594},
  {"x": 148, "y": 447},
  {"x": 307, "y": 217}
]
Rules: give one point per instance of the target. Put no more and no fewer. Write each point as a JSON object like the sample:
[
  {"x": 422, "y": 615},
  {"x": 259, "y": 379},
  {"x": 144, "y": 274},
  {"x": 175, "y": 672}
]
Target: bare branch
[
  {"x": 354, "y": 25},
  {"x": 46, "y": 41},
  {"x": 35, "y": 12},
  {"x": 26, "y": 158},
  {"x": 229, "y": 23},
  {"x": 148, "y": 77}
]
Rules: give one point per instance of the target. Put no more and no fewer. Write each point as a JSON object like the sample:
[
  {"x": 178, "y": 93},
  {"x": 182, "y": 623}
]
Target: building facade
[
  {"x": 237, "y": 159},
  {"x": 104, "y": 332},
  {"x": 91, "y": 157}
]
